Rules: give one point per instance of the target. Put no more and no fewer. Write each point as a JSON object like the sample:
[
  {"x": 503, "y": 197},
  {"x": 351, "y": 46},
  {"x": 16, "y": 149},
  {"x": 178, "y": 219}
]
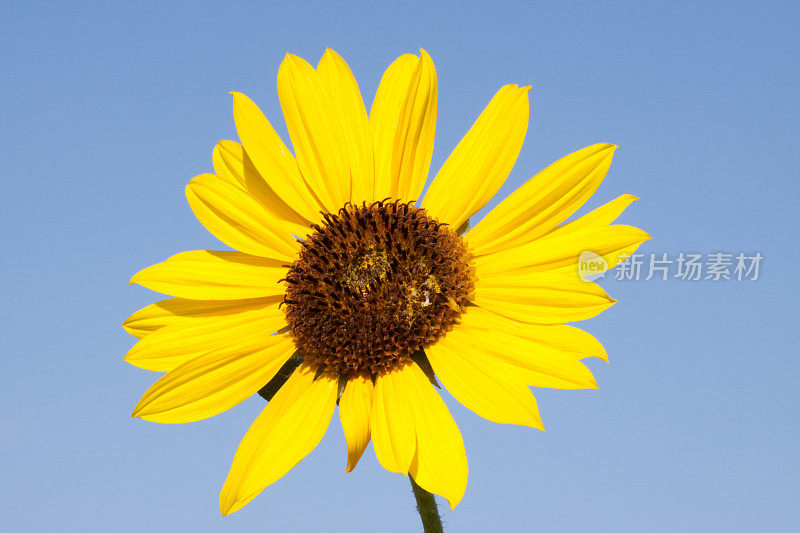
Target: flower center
[{"x": 374, "y": 284}]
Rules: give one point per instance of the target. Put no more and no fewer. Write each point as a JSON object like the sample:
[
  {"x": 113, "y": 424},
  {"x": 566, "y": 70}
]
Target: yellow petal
[
  {"x": 351, "y": 116},
  {"x": 233, "y": 165},
  {"x": 272, "y": 158},
  {"x": 209, "y": 275},
  {"x": 181, "y": 311},
  {"x": 533, "y": 353},
  {"x": 403, "y": 124},
  {"x": 392, "y": 422},
  {"x": 482, "y": 161},
  {"x": 562, "y": 249},
  {"x": 315, "y": 132},
  {"x": 182, "y": 341},
  {"x": 384, "y": 116},
  {"x": 602, "y": 216},
  {"x": 355, "y": 409},
  {"x": 214, "y": 382},
  {"x": 440, "y": 462},
  {"x": 483, "y": 386},
  {"x": 238, "y": 220},
  {"x": 227, "y": 157},
  {"x": 544, "y": 201},
  {"x": 558, "y": 340},
  {"x": 288, "y": 429},
  {"x": 541, "y": 297},
  {"x": 413, "y": 432},
  {"x": 612, "y": 253}
]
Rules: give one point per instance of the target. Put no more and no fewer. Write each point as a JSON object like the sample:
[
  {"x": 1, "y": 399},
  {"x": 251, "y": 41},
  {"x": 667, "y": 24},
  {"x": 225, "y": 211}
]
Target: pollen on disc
[{"x": 372, "y": 285}]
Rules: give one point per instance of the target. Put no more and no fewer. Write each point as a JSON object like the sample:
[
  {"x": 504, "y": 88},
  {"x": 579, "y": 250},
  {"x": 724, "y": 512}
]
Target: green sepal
[
  {"x": 277, "y": 381},
  {"x": 463, "y": 228},
  {"x": 342, "y": 384},
  {"x": 421, "y": 359}
]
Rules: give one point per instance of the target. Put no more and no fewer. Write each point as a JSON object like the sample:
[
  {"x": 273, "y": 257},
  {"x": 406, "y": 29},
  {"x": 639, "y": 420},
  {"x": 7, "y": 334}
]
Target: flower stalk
[{"x": 427, "y": 508}]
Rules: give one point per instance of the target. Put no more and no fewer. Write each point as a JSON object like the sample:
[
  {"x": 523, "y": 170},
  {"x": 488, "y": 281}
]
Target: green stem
[{"x": 427, "y": 509}]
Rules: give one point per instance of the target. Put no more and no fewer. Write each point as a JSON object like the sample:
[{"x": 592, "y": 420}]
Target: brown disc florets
[{"x": 372, "y": 285}]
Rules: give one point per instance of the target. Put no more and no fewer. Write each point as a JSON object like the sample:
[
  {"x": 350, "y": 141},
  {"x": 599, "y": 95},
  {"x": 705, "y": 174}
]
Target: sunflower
[{"x": 347, "y": 289}]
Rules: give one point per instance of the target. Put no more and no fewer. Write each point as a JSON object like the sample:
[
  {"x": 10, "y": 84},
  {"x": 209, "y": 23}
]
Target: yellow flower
[{"x": 344, "y": 291}]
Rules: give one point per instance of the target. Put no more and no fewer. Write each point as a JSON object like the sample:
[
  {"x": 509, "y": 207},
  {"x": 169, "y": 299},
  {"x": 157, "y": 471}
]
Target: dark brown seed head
[{"x": 372, "y": 285}]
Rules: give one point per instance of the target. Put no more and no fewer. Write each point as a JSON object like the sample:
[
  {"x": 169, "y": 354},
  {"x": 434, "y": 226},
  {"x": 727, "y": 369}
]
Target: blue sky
[{"x": 110, "y": 109}]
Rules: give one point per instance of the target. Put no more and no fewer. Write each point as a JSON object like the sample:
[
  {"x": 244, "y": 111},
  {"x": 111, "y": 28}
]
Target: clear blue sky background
[{"x": 108, "y": 110}]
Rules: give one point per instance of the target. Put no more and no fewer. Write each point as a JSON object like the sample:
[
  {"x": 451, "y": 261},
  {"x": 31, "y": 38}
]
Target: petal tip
[
  {"x": 454, "y": 501},
  {"x": 229, "y": 507},
  {"x": 425, "y": 57},
  {"x": 352, "y": 462},
  {"x": 330, "y": 52},
  {"x": 603, "y": 147},
  {"x": 137, "y": 411},
  {"x": 225, "y": 509},
  {"x": 292, "y": 59}
]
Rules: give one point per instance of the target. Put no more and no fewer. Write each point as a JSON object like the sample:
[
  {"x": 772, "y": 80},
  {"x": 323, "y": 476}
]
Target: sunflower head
[{"x": 349, "y": 289}]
